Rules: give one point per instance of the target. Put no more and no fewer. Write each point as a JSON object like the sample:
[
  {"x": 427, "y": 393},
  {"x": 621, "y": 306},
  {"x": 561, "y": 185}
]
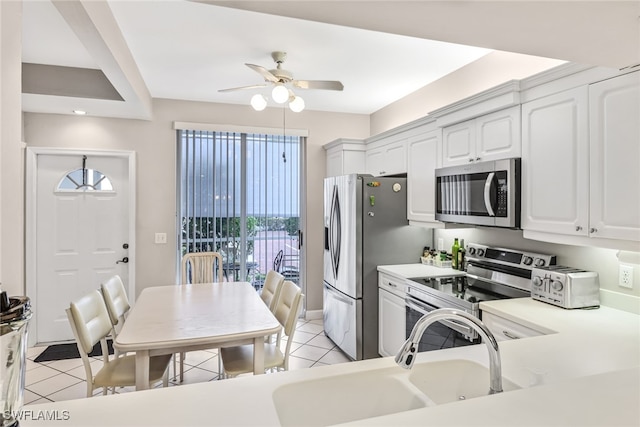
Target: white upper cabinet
[
  {"x": 614, "y": 133},
  {"x": 387, "y": 158},
  {"x": 345, "y": 156},
  {"x": 489, "y": 137},
  {"x": 580, "y": 163},
  {"x": 423, "y": 157},
  {"x": 555, "y": 157}
]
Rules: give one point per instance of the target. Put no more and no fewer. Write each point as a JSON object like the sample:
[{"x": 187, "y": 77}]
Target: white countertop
[
  {"x": 585, "y": 371},
  {"x": 405, "y": 271}
]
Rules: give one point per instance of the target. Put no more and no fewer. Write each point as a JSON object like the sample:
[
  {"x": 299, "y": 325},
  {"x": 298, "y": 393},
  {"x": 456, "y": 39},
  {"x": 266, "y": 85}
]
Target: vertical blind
[{"x": 239, "y": 194}]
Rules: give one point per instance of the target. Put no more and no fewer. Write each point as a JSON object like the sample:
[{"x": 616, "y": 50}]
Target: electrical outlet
[
  {"x": 625, "y": 277},
  {"x": 161, "y": 238}
]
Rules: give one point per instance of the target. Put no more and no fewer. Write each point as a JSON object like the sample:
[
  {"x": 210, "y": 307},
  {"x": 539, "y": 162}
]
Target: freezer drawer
[{"x": 340, "y": 314}]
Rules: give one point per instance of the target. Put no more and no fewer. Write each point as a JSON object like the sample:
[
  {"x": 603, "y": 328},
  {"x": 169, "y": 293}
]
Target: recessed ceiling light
[{"x": 79, "y": 112}]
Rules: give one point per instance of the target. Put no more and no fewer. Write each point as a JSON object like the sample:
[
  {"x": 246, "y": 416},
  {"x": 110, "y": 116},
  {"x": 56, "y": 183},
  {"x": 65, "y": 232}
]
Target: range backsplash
[{"x": 604, "y": 261}]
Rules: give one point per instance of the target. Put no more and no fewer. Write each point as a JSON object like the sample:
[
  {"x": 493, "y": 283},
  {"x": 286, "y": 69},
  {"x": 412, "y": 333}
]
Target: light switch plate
[{"x": 161, "y": 238}]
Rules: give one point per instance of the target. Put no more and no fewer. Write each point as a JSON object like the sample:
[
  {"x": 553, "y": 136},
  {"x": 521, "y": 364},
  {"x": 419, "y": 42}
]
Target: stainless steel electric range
[{"x": 491, "y": 273}]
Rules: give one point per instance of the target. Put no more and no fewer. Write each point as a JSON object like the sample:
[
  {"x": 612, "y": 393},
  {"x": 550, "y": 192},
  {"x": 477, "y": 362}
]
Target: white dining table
[{"x": 183, "y": 318}]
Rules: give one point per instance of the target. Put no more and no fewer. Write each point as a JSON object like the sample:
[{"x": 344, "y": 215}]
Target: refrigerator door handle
[
  {"x": 337, "y": 295},
  {"x": 335, "y": 232}
]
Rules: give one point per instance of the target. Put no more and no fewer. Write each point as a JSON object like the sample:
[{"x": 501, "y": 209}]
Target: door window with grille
[{"x": 239, "y": 194}]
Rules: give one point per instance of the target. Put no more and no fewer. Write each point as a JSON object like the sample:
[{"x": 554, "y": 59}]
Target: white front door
[{"x": 82, "y": 235}]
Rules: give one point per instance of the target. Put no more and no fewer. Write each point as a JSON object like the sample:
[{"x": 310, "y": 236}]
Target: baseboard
[
  {"x": 313, "y": 314},
  {"x": 617, "y": 300}
]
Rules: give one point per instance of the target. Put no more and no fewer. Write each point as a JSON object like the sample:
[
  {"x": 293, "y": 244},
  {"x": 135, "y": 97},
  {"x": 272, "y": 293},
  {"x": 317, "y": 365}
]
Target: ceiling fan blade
[
  {"x": 231, "y": 89},
  {"x": 318, "y": 84},
  {"x": 263, "y": 72}
]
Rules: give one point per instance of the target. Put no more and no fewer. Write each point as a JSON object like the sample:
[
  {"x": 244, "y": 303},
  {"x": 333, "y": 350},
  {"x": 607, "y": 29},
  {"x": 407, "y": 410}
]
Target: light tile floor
[{"x": 65, "y": 379}]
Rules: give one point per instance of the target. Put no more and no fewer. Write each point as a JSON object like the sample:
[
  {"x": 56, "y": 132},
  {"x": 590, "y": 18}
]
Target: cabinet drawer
[
  {"x": 391, "y": 284},
  {"x": 504, "y": 329}
]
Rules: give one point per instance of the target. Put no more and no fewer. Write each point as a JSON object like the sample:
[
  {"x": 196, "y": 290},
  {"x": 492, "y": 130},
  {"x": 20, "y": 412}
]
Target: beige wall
[
  {"x": 155, "y": 145},
  {"x": 491, "y": 70}
]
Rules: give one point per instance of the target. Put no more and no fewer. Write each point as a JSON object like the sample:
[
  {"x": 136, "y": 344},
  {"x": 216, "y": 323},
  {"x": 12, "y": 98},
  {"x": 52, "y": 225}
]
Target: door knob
[
  {"x": 124, "y": 260},
  {"x": 125, "y": 246}
]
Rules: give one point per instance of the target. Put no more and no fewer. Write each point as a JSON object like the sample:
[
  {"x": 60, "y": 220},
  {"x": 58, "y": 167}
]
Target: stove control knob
[
  {"x": 472, "y": 251},
  {"x": 480, "y": 252},
  {"x": 539, "y": 262},
  {"x": 527, "y": 260},
  {"x": 537, "y": 281},
  {"x": 556, "y": 285}
]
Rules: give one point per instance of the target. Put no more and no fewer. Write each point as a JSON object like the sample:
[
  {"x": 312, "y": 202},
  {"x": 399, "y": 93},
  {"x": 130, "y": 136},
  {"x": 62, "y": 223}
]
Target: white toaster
[{"x": 565, "y": 287}]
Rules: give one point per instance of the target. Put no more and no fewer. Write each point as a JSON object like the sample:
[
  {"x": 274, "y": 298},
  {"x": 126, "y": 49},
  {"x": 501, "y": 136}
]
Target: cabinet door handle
[
  {"x": 470, "y": 160},
  {"x": 593, "y": 230},
  {"x": 383, "y": 172},
  {"x": 393, "y": 285},
  {"x": 510, "y": 335},
  {"x": 477, "y": 159},
  {"x": 578, "y": 228}
]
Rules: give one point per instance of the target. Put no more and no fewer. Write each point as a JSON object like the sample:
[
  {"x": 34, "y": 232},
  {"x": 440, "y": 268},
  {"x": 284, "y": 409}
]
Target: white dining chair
[
  {"x": 271, "y": 288},
  {"x": 198, "y": 267},
  {"x": 239, "y": 360},
  {"x": 271, "y": 292},
  {"x": 90, "y": 323},
  {"x": 117, "y": 302}
]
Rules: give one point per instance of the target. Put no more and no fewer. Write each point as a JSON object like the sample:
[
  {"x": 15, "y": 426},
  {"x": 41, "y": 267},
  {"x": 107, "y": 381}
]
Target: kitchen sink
[
  {"x": 453, "y": 380},
  {"x": 367, "y": 394},
  {"x": 344, "y": 398}
]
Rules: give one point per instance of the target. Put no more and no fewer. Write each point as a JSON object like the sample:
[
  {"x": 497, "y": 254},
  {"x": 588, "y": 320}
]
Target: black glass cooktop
[{"x": 458, "y": 288}]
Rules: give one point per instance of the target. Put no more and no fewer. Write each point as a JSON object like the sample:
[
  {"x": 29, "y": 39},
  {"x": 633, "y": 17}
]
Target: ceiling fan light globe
[
  {"x": 297, "y": 104},
  {"x": 280, "y": 94},
  {"x": 258, "y": 102}
]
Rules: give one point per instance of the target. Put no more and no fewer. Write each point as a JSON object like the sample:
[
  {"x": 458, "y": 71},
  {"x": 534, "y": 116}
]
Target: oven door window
[{"x": 438, "y": 335}]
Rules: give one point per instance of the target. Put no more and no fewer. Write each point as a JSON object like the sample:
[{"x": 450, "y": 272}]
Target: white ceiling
[{"x": 189, "y": 50}]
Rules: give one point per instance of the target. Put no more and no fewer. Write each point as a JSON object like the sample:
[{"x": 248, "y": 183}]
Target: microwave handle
[{"x": 489, "y": 183}]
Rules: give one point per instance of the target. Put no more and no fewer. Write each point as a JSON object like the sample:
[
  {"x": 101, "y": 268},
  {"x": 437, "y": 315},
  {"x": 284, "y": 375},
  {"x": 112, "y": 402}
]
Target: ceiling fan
[{"x": 281, "y": 79}]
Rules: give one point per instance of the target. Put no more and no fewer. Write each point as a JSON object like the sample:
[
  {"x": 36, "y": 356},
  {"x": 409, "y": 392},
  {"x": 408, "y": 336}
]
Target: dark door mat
[{"x": 69, "y": 351}]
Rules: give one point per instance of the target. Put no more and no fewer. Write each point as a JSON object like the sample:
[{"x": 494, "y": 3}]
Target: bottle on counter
[
  {"x": 454, "y": 254},
  {"x": 461, "y": 254}
]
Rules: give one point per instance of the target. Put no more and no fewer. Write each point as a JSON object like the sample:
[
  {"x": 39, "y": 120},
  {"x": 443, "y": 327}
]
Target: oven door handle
[{"x": 425, "y": 309}]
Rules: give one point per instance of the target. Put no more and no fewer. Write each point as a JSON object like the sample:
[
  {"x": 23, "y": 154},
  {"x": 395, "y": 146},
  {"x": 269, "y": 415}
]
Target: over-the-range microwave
[{"x": 483, "y": 193}]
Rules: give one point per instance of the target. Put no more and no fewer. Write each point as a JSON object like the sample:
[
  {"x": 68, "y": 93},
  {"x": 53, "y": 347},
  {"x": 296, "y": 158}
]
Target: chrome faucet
[{"x": 407, "y": 354}]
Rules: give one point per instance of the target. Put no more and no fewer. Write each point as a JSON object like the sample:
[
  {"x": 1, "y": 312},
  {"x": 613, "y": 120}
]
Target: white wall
[
  {"x": 155, "y": 145},
  {"x": 11, "y": 160},
  {"x": 603, "y": 261}
]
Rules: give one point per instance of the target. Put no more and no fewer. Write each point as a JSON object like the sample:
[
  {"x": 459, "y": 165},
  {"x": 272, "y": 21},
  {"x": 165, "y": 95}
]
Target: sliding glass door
[{"x": 239, "y": 194}]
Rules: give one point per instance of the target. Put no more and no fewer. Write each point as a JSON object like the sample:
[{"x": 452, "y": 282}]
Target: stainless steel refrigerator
[{"x": 365, "y": 225}]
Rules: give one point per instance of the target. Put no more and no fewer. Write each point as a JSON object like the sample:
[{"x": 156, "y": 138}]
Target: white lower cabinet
[
  {"x": 391, "y": 318},
  {"x": 504, "y": 329}
]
